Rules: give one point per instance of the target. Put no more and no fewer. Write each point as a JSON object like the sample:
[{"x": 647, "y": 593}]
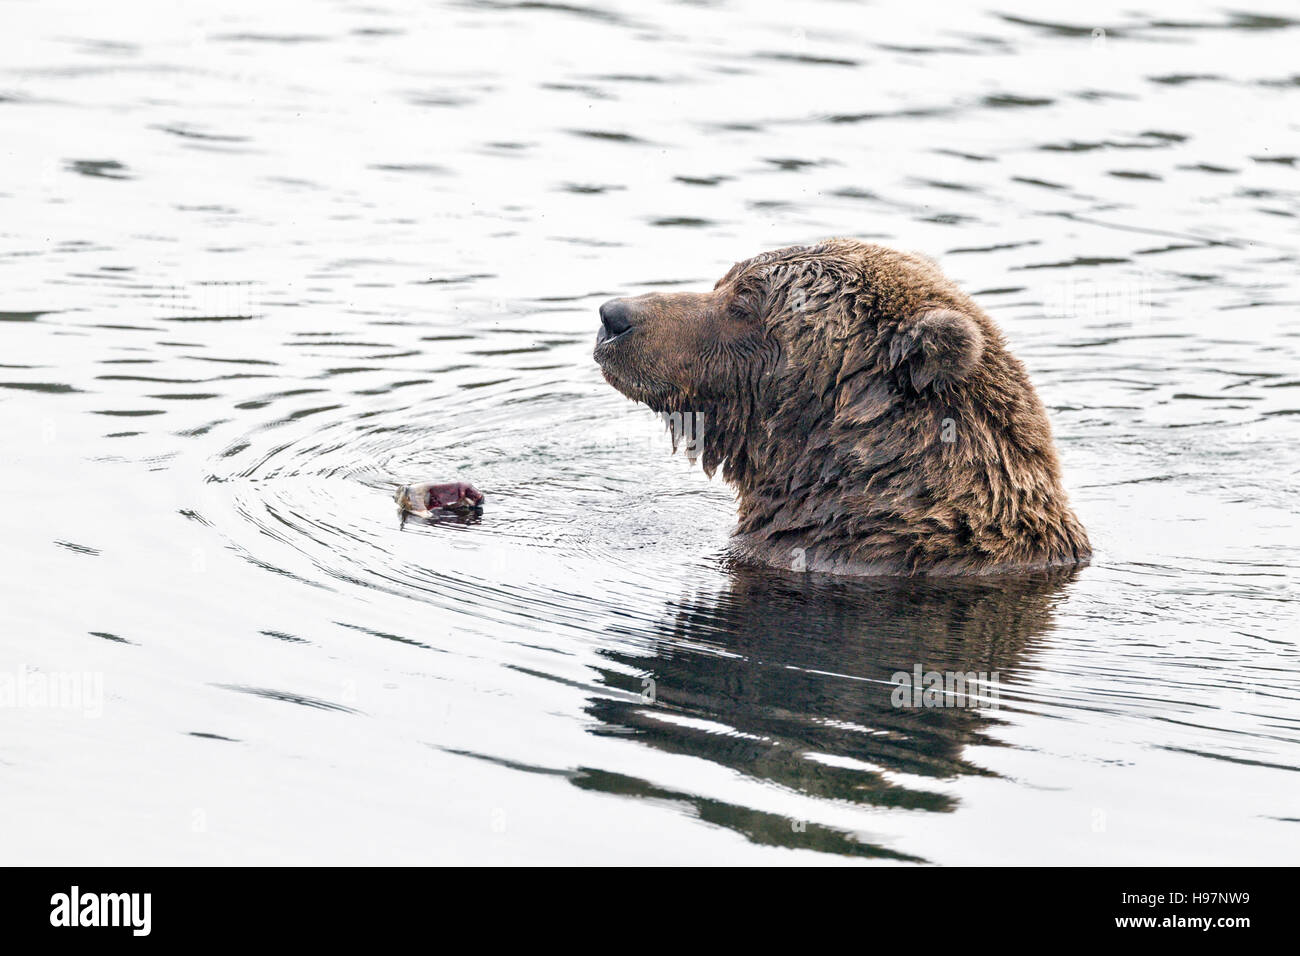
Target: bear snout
[{"x": 615, "y": 318}]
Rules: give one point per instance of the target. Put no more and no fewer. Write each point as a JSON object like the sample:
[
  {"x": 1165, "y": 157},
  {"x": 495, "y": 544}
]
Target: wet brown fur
[{"x": 866, "y": 410}]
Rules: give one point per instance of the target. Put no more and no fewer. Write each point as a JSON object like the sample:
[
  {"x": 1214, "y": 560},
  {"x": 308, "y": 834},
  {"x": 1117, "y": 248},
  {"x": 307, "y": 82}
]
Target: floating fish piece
[{"x": 427, "y": 498}]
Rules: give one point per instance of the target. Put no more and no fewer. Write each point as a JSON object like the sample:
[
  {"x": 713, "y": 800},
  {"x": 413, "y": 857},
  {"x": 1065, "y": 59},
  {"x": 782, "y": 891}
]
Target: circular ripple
[{"x": 587, "y": 509}]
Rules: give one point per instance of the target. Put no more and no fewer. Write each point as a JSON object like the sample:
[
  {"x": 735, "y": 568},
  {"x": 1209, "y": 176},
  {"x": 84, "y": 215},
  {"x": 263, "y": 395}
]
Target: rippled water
[{"x": 259, "y": 263}]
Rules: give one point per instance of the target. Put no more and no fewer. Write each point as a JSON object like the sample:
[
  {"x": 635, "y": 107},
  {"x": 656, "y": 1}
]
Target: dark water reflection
[{"x": 791, "y": 681}]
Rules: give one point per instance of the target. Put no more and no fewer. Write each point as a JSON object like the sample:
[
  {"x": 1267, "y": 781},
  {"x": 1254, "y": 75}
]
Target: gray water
[{"x": 261, "y": 262}]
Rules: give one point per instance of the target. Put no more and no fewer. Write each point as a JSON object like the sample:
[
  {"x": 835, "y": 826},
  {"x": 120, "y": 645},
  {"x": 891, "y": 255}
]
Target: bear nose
[{"x": 614, "y": 317}]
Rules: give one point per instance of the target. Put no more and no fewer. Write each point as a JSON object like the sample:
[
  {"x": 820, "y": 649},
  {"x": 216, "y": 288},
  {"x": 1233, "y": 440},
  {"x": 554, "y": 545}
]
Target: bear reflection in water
[{"x": 791, "y": 680}]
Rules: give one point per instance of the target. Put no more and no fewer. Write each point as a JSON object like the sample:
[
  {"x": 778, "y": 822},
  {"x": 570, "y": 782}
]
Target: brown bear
[{"x": 865, "y": 408}]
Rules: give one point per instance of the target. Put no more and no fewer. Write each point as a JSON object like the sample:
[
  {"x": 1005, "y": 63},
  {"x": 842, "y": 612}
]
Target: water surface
[{"x": 261, "y": 262}]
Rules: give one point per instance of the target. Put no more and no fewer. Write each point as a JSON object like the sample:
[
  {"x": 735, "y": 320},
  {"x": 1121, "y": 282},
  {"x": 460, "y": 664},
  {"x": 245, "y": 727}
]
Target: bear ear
[{"x": 937, "y": 347}]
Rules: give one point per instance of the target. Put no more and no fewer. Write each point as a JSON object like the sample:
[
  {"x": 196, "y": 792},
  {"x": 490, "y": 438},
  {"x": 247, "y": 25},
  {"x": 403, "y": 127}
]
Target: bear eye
[{"x": 739, "y": 310}]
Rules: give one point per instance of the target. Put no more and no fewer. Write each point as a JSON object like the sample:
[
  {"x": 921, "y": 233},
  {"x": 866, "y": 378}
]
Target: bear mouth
[
  {"x": 603, "y": 337},
  {"x": 604, "y": 345},
  {"x": 655, "y": 396},
  {"x": 628, "y": 381}
]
